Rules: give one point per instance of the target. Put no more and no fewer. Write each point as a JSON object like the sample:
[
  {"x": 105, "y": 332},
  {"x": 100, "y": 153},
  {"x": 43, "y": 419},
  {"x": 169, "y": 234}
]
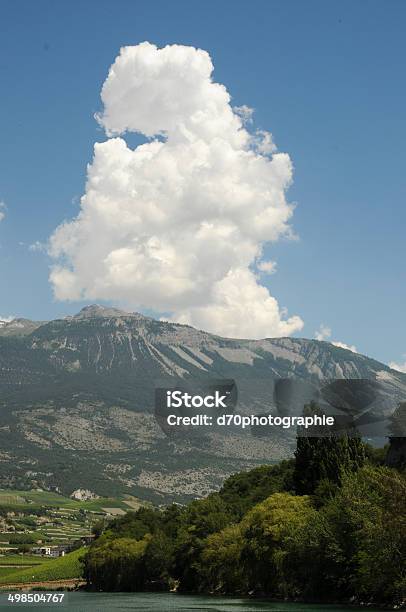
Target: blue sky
[{"x": 326, "y": 78}]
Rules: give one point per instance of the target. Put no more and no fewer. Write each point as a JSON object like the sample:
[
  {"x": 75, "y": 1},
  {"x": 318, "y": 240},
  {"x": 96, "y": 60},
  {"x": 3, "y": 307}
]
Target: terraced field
[
  {"x": 32, "y": 520},
  {"x": 36, "y": 499}
]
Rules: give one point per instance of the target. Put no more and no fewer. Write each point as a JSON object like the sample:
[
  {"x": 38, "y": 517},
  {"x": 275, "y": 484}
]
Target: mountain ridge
[
  {"x": 77, "y": 402},
  {"x": 97, "y": 311}
]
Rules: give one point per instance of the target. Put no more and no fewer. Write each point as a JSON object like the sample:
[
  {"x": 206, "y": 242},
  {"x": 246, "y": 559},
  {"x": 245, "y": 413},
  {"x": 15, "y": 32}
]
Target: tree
[
  {"x": 24, "y": 549},
  {"x": 271, "y": 532},
  {"x": 220, "y": 567},
  {"x": 201, "y": 519},
  {"x": 116, "y": 564},
  {"x": 325, "y": 457},
  {"x": 243, "y": 491},
  {"x": 136, "y": 524},
  {"x": 21, "y": 538},
  {"x": 396, "y": 455},
  {"x": 158, "y": 559},
  {"x": 368, "y": 534},
  {"x": 346, "y": 541}
]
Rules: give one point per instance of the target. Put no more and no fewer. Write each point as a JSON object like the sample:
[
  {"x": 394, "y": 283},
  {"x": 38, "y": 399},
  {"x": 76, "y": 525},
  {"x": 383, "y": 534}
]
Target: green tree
[
  {"x": 21, "y": 538},
  {"x": 325, "y": 457},
  {"x": 116, "y": 564},
  {"x": 271, "y": 532},
  {"x": 243, "y": 491},
  {"x": 375, "y": 456},
  {"x": 396, "y": 455},
  {"x": 158, "y": 560},
  {"x": 368, "y": 534},
  {"x": 220, "y": 568},
  {"x": 136, "y": 524},
  {"x": 24, "y": 548},
  {"x": 201, "y": 519}
]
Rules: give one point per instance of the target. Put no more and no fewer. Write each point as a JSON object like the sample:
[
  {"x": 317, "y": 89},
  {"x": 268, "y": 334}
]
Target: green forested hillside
[{"x": 340, "y": 537}]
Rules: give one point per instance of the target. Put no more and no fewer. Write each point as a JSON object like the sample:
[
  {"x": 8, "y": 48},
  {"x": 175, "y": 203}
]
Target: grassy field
[
  {"x": 62, "y": 568},
  {"x": 20, "y": 560},
  {"x": 5, "y": 571}
]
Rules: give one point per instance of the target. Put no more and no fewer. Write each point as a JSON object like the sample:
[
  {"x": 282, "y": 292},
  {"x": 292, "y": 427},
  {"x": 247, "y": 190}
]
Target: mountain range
[{"x": 77, "y": 402}]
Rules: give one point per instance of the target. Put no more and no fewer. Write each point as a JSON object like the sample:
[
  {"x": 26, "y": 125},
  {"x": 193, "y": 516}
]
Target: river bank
[
  {"x": 76, "y": 595},
  {"x": 85, "y": 601}
]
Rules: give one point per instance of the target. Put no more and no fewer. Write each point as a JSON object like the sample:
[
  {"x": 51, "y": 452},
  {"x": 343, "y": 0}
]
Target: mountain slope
[
  {"x": 18, "y": 327},
  {"x": 77, "y": 402}
]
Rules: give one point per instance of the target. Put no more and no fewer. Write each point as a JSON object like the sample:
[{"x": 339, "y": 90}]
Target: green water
[{"x": 166, "y": 602}]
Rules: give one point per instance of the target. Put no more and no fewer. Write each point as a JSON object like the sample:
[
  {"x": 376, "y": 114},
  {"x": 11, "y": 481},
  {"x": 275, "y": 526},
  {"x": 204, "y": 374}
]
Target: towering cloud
[{"x": 178, "y": 224}]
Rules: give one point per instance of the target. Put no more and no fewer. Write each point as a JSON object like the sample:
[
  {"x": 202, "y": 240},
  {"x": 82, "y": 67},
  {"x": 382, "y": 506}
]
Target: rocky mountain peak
[{"x": 96, "y": 311}]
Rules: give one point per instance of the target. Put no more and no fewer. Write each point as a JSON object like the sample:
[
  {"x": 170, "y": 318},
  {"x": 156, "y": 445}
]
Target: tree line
[{"x": 327, "y": 525}]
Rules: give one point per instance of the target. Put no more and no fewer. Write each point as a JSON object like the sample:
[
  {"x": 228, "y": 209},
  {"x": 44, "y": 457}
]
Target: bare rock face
[
  {"x": 95, "y": 311},
  {"x": 83, "y": 495},
  {"x": 77, "y": 401}
]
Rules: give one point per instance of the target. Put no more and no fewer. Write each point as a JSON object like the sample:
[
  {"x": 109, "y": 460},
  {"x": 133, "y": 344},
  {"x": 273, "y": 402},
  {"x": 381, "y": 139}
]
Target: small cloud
[
  {"x": 323, "y": 333},
  {"x": 348, "y": 347},
  {"x": 400, "y": 367},
  {"x": 267, "y": 267},
  {"x": 3, "y": 209},
  {"x": 37, "y": 247},
  {"x": 244, "y": 112},
  {"x": 263, "y": 143}
]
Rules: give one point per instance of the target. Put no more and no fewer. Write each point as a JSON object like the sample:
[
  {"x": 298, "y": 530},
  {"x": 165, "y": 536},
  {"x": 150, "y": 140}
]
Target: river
[{"x": 81, "y": 601}]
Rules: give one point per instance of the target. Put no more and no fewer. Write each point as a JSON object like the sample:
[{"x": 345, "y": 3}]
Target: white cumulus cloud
[{"x": 174, "y": 224}]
